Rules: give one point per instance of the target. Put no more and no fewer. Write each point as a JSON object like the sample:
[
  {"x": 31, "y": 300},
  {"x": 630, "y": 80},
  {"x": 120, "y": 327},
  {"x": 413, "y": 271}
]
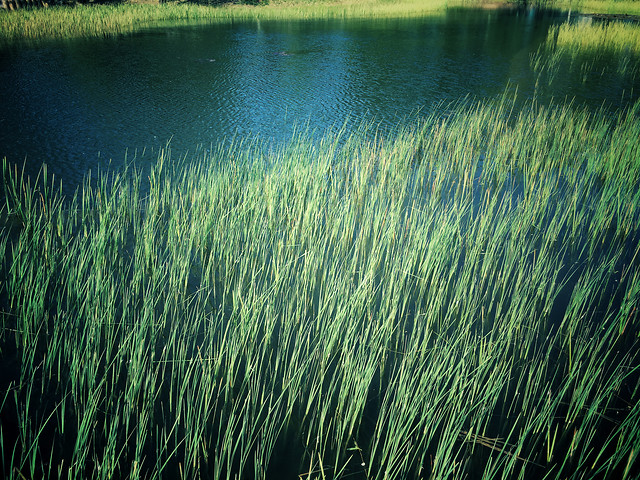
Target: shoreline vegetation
[
  {"x": 34, "y": 24},
  {"x": 576, "y": 49},
  {"x": 108, "y": 20},
  {"x": 458, "y": 299}
]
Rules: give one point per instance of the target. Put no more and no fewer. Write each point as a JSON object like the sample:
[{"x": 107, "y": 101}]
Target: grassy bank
[
  {"x": 458, "y": 299},
  {"x": 108, "y": 20}
]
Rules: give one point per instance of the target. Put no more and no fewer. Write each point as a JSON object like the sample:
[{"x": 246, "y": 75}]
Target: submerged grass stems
[{"x": 456, "y": 299}]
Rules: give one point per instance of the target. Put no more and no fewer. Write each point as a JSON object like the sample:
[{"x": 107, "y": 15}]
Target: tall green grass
[
  {"x": 455, "y": 299},
  {"x": 615, "y": 37},
  {"x": 589, "y": 50},
  {"x": 30, "y": 25},
  {"x": 607, "y": 7}
]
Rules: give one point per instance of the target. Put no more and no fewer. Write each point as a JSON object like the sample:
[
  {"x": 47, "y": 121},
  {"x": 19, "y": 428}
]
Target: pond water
[{"x": 87, "y": 104}]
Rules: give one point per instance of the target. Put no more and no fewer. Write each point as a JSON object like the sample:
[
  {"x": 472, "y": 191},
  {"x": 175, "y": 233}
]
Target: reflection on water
[{"x": 81, "y": 105}]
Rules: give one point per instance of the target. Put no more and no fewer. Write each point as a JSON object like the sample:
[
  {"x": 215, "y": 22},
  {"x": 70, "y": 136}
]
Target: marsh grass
[
  {"x": 82, "y": 21},
  {"x": 455, "y": 299},
  {"x": 614, "y": 37},
  {"x": 30, "y": 25},
  {"x": 609, "y": 7},
  {"x": 589, "y": 50}
]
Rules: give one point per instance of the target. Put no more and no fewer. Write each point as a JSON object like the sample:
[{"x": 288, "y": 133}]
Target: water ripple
[{"x": 80, "y": 105}]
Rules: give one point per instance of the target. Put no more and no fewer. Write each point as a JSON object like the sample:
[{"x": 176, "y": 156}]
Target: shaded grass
[{"x": 456, "y": 299}]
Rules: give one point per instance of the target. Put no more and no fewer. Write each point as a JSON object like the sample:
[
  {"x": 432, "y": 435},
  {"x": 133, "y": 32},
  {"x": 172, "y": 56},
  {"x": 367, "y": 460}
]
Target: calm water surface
[{"x": 82, "y": 105}]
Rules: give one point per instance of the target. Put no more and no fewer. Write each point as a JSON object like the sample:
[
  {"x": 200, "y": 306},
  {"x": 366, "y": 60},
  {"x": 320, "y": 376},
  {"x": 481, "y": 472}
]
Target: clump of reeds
[
  {"x": 455, "y": 299},
  {"x": 590, "y": 49},
  {"x": 613, "y": 37},
  {"x": 607, "y": 7}
]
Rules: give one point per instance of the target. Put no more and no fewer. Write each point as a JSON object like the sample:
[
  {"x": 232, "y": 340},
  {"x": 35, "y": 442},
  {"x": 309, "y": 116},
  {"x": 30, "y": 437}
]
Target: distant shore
[{"x": 36, "y": 24}]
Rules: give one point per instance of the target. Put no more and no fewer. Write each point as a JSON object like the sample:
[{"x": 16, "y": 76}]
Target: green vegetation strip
[
  {"x": 458, "y": 297},
  {"x": 84, "y": 21},
  {"x": 110, "y": 20},
  {"x": 615, "y": 37},
  {"x": 588, "y": 51},
  {"x": 606, "y": 7}
]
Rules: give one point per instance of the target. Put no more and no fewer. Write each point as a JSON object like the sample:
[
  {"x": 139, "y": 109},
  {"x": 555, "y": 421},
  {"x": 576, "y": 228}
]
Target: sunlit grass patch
[
  {"x": 611, "y": 7},
  {"x": 95, "y": 20},
  {"x": 603, "y": 37},
  {"x": 589, "y": 49},
  {"x": 109, "y": 20}
]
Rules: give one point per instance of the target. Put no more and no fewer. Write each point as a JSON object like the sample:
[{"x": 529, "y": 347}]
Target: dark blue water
[{"x": 89, "y": 104}]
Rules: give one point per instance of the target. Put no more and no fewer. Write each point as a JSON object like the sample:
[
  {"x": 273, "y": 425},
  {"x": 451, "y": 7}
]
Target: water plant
[
  {"x": 457, "y": 298},
  {"x": 606, "y": 7},
  {"x": 589, "y": 49}
]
